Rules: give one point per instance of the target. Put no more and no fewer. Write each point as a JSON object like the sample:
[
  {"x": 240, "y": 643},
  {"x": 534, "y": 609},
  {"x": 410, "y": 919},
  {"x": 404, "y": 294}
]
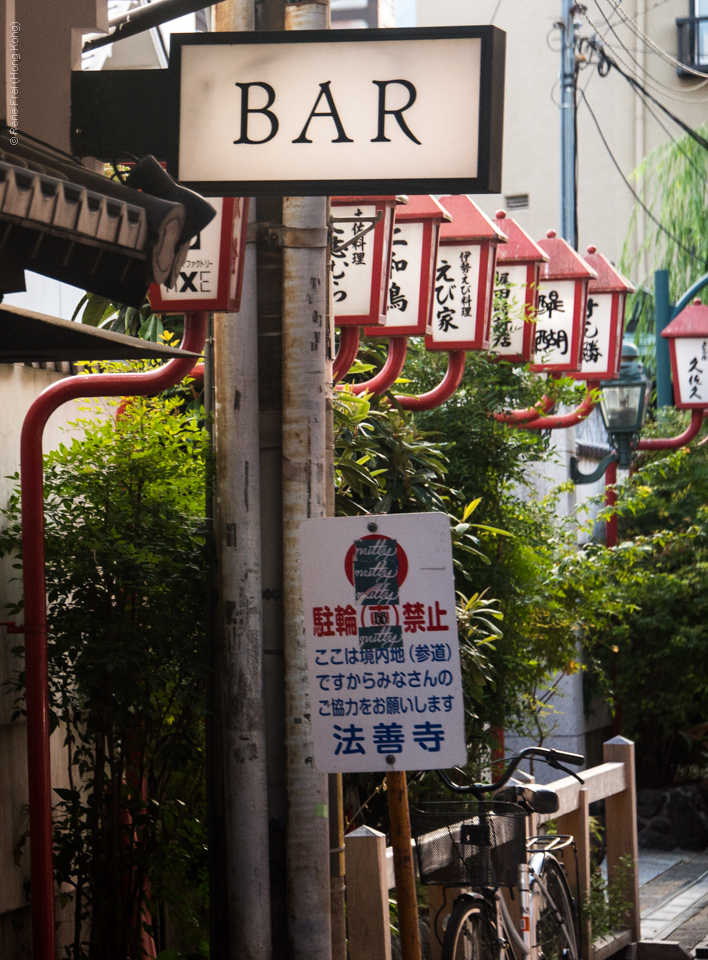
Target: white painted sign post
[{"x": 383, "y": 652}]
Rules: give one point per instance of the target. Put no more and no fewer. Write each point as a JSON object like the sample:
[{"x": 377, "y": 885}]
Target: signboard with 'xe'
[{"x": 383, "y": 652}]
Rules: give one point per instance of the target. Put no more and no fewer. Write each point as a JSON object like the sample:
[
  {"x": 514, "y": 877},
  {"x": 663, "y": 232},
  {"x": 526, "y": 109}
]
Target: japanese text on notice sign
[{"x": 383, "y": 655}]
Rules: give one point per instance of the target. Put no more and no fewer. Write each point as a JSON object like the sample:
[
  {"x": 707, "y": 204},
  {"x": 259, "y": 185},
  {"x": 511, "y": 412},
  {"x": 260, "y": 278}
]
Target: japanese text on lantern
[{"x": 352, "y": 268}]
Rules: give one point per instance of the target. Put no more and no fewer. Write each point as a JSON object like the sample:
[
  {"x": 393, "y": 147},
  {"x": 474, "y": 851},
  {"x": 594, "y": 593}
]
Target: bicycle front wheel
[
  {"x": 556, "y": 935},
  {"x": 467, "y": 934}
]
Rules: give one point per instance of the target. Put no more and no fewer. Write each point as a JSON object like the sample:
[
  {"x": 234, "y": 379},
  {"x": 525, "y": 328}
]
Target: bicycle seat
[{"x": 533, "y": 797}]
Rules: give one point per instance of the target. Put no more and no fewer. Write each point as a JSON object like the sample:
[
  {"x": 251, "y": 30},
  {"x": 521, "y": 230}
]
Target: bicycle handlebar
[{"x": 552, "y": 757}]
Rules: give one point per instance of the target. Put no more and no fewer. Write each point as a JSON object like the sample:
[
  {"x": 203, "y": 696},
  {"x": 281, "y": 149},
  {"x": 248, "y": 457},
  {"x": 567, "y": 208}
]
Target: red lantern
[
  {"x": 519, "y": 263},
  {"x": 413, "y": 255},
  {"x": 212, "y": 275},
  {"x": 464, "y": 278},
  {"x": 562, "y": 304},
  {"x": 688, "y": 344},
  {"x": 604, "y": 320},
  {"x": 361, "y": 271}
]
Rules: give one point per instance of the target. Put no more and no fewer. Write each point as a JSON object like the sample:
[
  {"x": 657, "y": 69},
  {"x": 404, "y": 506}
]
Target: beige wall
[
  {"x": 532, "y": 124},
  {"x": 19, "y": 386}
]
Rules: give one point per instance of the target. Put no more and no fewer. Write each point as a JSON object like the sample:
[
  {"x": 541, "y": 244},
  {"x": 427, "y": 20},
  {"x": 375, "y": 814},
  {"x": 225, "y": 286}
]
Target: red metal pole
[
  {"x": 444, "y": 390},
  {"x": 32, "y": 486},
  {"x": 518, "y": 418},
  {"x": 389, "y": 373},
  {"x": 611, "y": 501},
  {"x": 567, "y": 419},
  {"x": 674, "y": 443},
  {"x": 346, "y": 354}
]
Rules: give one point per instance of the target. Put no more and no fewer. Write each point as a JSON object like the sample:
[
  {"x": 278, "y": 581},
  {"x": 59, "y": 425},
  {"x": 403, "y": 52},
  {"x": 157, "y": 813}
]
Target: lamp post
[
  {"x": 688, "y": 347},
  {"x": 562, "y": 307},
  {"x": 464, "y": 278},
  {"x": 362, "y": 229},
  {"x": 414, "y": 251},
  {"x": 519, "y": 263},
  {"x": 604, "y": 320}
]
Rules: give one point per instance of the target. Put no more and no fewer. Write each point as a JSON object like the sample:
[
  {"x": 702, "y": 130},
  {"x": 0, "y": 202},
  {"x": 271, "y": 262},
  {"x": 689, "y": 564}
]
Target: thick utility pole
[
  {"x": 568, "y": 199},
  {"x": 306, "y": 386},
  {"x": 239, "y": 621}
]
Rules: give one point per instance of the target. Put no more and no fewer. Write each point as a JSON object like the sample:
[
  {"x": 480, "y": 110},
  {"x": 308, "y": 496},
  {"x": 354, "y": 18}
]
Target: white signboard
[
  {"x": 352, "y": 268},
  {"x": 692, "y": 368},
  {"x": 554, "y": 321},
  {"x": 406, "y": 266},
  {"x": 508, "y": 324},
  {"x": 598, "y": 333},
  {"x": 456, "y": 294},
  {"x": 382, "y": 647},
  {"x": 341, "y": 112}
]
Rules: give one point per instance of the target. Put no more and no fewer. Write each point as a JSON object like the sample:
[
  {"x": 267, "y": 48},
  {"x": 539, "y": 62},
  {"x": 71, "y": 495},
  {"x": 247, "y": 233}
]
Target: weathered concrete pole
[
  {"x": 238, "y": 540},
  {"x": 306, "y": 375}
]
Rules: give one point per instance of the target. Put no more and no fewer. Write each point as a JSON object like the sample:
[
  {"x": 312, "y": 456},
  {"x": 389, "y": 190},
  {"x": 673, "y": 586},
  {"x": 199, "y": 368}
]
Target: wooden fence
[{"x": 369, "y": 865}]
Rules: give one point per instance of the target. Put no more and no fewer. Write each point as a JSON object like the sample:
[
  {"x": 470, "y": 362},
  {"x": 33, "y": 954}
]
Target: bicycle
[{"x": 483, "y": 845}]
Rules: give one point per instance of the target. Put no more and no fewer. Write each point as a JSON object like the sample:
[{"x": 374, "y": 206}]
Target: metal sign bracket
[
  {"x": 372, "y": 222},
  {"x": 278, "y": 235}
]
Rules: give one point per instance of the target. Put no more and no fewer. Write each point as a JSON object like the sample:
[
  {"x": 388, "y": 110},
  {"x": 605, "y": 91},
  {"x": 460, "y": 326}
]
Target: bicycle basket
[{"x": 462, "y": 843}]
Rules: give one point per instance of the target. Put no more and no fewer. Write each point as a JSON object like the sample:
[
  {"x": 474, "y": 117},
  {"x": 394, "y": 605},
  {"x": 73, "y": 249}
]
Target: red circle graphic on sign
[{"x": 400, "y": 554}]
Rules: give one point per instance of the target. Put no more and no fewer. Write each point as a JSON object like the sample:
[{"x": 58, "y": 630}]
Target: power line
[
  {"x": 677, "y": 143},
  {"x": 646, "y": 76},
  {"x": 636, "y": 29},
  {"x": 631, "y": 189},
  {"x": 599, "y": 48}
]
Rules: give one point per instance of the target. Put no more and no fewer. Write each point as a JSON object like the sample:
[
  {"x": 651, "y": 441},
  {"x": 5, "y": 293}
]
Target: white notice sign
[
  {"x": 382, "y": 647},
  {"x": 341, "y": 112}
]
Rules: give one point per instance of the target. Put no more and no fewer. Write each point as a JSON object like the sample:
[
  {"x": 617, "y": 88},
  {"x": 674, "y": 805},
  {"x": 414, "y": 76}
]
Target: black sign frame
[{"x": 491, "y": 115}]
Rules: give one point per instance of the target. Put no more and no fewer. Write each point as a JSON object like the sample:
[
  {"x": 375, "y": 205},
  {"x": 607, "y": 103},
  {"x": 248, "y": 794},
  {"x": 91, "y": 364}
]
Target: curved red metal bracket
[
  {"x": 565, "y": 420},
  {"x": 346, "y": 354},
  {"x": 35, "y": 626},
  {"x": 674, "y": 443},
  {"x": 389, "y": 372},
  {"x": 444, "y": 390},
  {"x": 517, "y": 418}
]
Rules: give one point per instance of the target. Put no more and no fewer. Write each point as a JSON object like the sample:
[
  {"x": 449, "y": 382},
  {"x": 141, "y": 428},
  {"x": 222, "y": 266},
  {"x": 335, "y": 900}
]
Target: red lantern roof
[
  {"x": 565, "y": 263},
  {"x": 519, "y": 247},
  {"x": 691, "y": 322},
  {"x": 609, "y": 279},
  {"x": 422, "y": 207},
  {"x": 468, "y": 222}
]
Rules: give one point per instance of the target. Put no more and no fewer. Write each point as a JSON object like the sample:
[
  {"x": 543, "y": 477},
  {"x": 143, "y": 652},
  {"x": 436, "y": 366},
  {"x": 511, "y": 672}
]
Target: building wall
[{"x": 532, "y": 122}]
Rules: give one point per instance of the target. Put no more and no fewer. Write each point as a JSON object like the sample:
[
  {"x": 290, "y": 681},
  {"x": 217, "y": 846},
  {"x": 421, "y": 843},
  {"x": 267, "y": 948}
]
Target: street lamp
[
  {"x": 562, "y": 306},
  {"x": 519, "y": 263},
  {"x": 414, "y": 251},
  {"x": 688, "y": 345},
  {"x": 604, "y": 320},
  {"x": 464, "y": 278},
  {"x": 362, "y": 234}
]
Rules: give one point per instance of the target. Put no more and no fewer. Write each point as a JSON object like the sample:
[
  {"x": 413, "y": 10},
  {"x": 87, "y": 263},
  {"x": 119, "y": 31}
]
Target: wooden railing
[{"x": 369, "y": 865}]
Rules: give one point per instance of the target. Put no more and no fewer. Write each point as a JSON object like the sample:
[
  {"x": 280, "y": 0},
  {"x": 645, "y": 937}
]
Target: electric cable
[
  {"x": 636, "y": 29},
  {"x": 646, "y": 76},
  {"x": 677, "y": 143},
  {"x": 598, "y": 46},
  {"x": 634, "y": 193}
]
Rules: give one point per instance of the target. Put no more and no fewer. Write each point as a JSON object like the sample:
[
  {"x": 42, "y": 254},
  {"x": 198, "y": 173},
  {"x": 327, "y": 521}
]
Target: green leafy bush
[{"x": 125, "y": 549}]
